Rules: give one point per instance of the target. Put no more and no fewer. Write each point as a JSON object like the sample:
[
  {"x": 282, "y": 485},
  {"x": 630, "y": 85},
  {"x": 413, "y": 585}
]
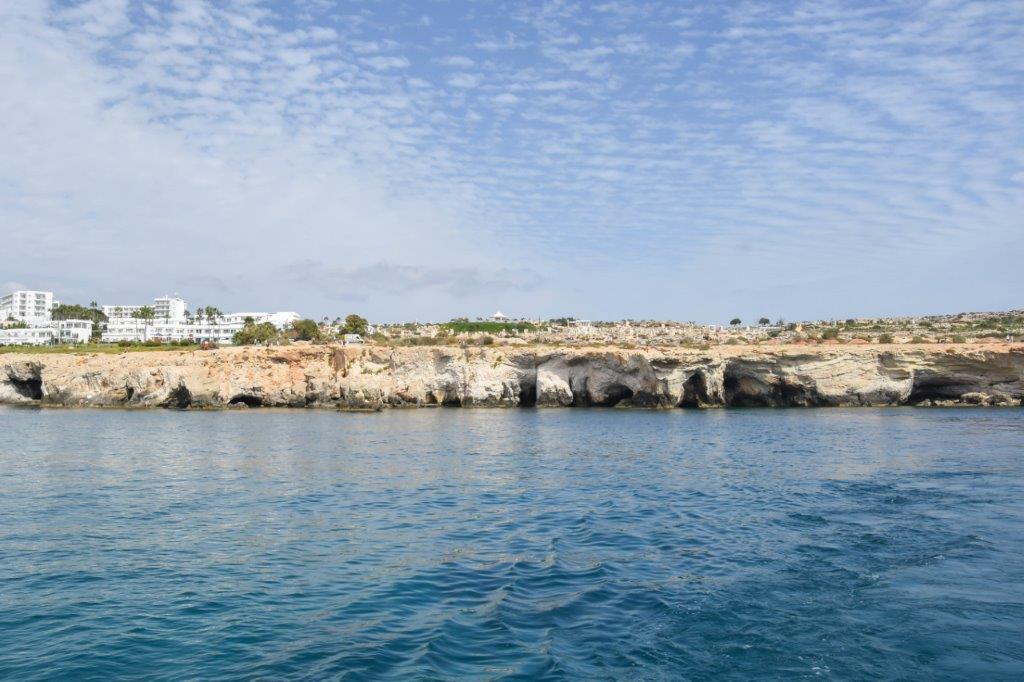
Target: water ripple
[{"x": 512, "y": 545}]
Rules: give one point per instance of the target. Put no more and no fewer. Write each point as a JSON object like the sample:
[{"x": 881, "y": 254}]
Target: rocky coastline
[{"x": 378, "y": 377}]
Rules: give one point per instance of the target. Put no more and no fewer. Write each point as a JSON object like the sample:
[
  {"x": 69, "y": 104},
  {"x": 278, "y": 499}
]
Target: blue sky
[{"x": 605, "y": 160}]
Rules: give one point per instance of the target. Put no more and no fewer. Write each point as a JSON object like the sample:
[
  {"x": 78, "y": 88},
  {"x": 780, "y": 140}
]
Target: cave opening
[
  {"x": 247, "y": 400},
  {"x": 179, "y": 398},
  {"x": 743, "y": 394},
  {"x": 528, "y": 394},
  {"x": 793, "y": 394},
  {"x": 28, "y": 388},
  {"x": 615, "y": 395},
  {"x": 695, "y": 391},
  {"x": 933, "y": 388},
  {"x": 579, "y": 387}
]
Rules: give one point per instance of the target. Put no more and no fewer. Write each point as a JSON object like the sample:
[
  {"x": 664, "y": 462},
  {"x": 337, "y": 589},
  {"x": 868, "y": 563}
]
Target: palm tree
[
  {"x": 146, "y": 314},
  {"x": 212, "y": 313}
]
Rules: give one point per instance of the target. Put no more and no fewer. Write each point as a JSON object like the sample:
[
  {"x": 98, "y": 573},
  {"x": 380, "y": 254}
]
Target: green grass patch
[
  {"x": 461, "y": 327},
  {"x": 108, "y": 348}
]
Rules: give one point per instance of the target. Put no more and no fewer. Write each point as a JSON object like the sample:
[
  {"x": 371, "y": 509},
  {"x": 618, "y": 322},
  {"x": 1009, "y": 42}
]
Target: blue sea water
[{"x": 486, "y": 544}]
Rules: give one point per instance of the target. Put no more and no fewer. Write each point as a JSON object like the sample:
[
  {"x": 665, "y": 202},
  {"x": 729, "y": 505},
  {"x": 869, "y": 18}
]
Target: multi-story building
[
  {"x": 30, "y": 307},
  {"x": 72, "y": 331},
  {"x": 26, "y": 336},
  {"x": 168, "y": 308},
  {"x": 58, "y": 331},
  {"x": 172, "y": 323},
  {"x": 164, "y": 308},
  {"x": 120, "y": 311},
  {"x": 32, "y": 311}
]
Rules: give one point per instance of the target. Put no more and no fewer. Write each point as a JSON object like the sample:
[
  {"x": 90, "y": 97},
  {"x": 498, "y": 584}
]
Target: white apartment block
[
  {"x": 169, "y": 308},
  {"x": 119, "y": 311},
  {"x": 60, "y": 331},
  {"x": 171, "y": 323},
  {"x": 164, "y": 308},
  {"x": 220, "y": 331},
  {"x": 30, "y": 307}
]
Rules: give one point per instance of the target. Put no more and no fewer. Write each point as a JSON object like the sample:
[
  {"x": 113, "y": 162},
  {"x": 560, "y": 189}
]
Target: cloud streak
[{"x": 359, "y": 284}]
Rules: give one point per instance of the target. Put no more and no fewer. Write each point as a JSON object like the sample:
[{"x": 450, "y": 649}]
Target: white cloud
[
  {"x": 235, "y": 183},
  {"x": 321, "y": 33},
  {"x": 464, "y": 80},
  {"x": 458, "y": 61},
  {"x": 809, "y": 138},
  {"x": 383, "y": 63}
]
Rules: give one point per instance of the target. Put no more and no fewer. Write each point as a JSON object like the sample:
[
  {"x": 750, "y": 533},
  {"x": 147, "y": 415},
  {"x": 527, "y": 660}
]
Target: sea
[{"x": 581, "y": 544}]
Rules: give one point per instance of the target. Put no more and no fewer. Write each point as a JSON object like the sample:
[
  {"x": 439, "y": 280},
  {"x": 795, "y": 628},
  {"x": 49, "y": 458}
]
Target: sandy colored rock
[{"x": 372, "y": 377}]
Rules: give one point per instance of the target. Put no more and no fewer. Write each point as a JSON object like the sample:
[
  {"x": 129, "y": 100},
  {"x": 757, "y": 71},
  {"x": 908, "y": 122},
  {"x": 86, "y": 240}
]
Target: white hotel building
[
  {"x": 33, "y": 310},
  {"x": 30, "y": 307},
  {"x": 172, "y": 323}
]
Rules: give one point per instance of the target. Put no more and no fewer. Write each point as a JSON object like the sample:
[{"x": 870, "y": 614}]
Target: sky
[{"x": 601, "y": 160}]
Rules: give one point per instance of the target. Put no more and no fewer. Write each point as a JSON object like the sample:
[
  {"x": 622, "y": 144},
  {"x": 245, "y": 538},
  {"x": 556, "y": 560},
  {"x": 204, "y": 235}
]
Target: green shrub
[
  {"x": 885, "y": 338},
  {"x": 305, "y": 330},
  {"x": 355, "y": 324},
  {"x": 253, "y": 334},
  {"x": 463, "y": 326}
]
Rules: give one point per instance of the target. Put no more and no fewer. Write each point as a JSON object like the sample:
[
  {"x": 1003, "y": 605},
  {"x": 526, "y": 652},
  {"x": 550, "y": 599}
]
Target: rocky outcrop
[
  {"x": 374, "y": 377},
  {"x": 21, "y": 382}
]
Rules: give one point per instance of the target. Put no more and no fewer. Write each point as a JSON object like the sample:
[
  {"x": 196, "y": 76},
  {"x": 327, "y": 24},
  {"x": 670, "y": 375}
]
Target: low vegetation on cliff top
[
  {"x": 464, "y": 326},
  {"x": 107, "y": 348}
]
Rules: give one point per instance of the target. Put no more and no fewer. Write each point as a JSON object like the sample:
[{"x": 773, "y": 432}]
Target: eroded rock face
[
  {"x": 370, "y": 378},
  {"x": 21, "y": 382}
]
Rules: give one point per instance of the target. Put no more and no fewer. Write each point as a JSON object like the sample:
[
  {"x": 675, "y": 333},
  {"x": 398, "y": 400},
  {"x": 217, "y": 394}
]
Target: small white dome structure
[{"x": 498, "y": 317}]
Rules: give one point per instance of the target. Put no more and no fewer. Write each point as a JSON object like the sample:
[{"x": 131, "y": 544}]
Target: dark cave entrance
[
  {"x": 179, "y": 398},
  {"x": 28, "y": 388},
  {"x": 615, "y": 395},
  {"x": 528, "y": 393},
  {"x": 936, "y": 388},
  {"x": 695, "y": 391},
  {"x": 247, "y": 400}
]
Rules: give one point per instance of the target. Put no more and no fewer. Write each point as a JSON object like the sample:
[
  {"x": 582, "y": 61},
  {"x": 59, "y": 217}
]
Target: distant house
[
  {"x": 498, "y": 317},
  {"x": 352, "y": 339}
]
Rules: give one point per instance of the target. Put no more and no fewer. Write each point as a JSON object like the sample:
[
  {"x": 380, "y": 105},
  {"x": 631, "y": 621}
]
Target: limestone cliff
[{"x": 373, "y": 377}]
